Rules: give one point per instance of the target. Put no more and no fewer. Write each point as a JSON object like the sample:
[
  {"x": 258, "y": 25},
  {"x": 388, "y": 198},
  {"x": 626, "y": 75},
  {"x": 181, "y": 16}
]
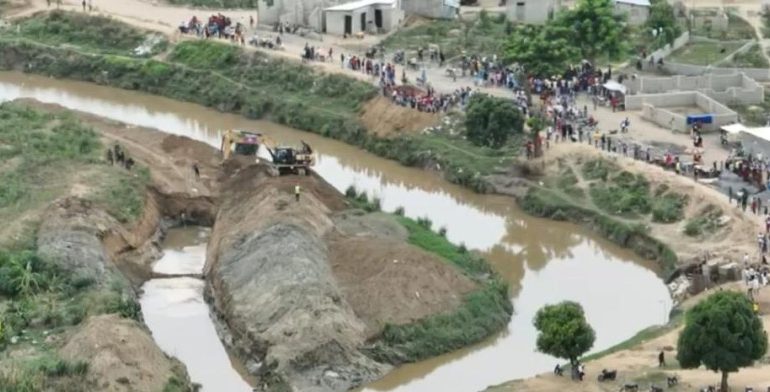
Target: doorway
[
  {"x": 348, "y": 24},
  {"x": 378, "y": 18},
  {"x": 363, "y": 21}
]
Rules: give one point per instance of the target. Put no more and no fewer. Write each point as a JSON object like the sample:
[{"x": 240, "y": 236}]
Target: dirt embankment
[
  {"x": 383, "y": 118},
  {"x": 728, "y": 239},
  {"x": 288, "y": 280}
]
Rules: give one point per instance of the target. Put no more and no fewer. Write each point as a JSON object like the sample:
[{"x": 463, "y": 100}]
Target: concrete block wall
[{"x": 636, "y": 102}]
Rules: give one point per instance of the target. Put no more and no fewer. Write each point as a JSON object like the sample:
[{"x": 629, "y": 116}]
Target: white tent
[{"x": 615, "y": 86}]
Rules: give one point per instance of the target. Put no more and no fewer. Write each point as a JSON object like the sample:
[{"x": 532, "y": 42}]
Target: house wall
[
  {"x": 727, "y": 89},
  {"x": 335, "y": 20},
  {"x": 654, "y": 109},
  {"x": 437, "y": 9},
  {"x": 636, "y": 14},
  {"x": 531, "y": 11},
  {"x": 293, "y": 11}
]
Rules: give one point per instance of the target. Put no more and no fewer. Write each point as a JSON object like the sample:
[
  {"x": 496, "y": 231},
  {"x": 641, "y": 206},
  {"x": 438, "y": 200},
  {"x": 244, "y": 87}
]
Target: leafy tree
[
  {"x": 594, "y": 28},
  {"x": 541, "y": 50},
  {"x": 564, "y": 331},
  {"x": 490, "y": 121},
  {"x": 662, "y": 17},
  {"x": 723, "y": 334}
]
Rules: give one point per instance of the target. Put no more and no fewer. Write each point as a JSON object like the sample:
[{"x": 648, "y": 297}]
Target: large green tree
[
  {"x": 723, "y": 334},
  {"x": 594, "y": 28},
  {"x": 662, "y": 20},
  {"x": 564, "y": 331},
  {"x": 541, "y": 50},
  {"x": 490, "y": 121}
]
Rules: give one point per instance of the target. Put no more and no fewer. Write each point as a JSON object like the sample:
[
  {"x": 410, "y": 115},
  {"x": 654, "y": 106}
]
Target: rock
[
  {"x": 331, "y": 374},
  {"x": 14, "y": 340}
]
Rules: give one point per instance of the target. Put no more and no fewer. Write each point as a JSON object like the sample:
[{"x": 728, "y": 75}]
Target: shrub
[
  {"x": 491, "y": 121},
  {"x": 351, "y": 192},
  {"x": 399, "y": 211},
  {"x": 442, "y": 231},
  {"x": 425, "y": 222},
  {"x": 668, "y": 208}
]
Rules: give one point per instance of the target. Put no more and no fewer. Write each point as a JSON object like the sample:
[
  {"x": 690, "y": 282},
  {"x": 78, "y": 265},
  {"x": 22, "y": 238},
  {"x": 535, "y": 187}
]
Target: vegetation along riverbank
[
  {"x": 238, "y": 80},
  {"x": 63, "y": 304}
]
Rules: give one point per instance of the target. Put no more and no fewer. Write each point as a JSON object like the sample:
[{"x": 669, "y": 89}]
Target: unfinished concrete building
[{"x": 436, "y": 9}]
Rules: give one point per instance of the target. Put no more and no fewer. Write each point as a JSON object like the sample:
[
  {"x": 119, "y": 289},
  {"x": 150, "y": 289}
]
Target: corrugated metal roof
[
  {"x": 643, "y": 3},
  {"x": 354, "y": 5}
]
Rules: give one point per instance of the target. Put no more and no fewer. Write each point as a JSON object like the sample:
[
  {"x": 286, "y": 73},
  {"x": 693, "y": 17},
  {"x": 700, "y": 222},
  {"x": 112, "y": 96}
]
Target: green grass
[
  {"x": 625, "y": 194},
  {"x": 753, "y": 58},
  {"x": 737, "y": 29},
  {"x": 92, "y": 32},
  {"x": 707, "y": 221},
  {"x": 668, "y": 207},
  {"x": 703, "y": 53},
  {"x": 485, "y": 36},
  {"x": 754, "y": 115},
  {"x": 598, "y": 169},
  {"x": 46, "y": 372},
  {"x": 122, "y": 193}
]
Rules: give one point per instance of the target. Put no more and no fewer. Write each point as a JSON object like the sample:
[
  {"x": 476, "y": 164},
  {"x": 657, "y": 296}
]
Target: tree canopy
[
  {"x": 723, "y": 334},
  {"x": 662, "y": 17},
  {"x": 564, "y": 331},
  {"x": 541, "y": 50},
  {"x": 594, "y": 28},
  {"x": 491, "y": 121}
]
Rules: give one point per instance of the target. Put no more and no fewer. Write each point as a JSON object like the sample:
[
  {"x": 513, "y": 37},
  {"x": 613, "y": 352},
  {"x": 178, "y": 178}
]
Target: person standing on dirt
[
  {"x": 84, "y": 5},
  {"x": 296, "y": 192},
  {"x": 48, "y": 3},
  {"x": 661, "y": 359},
  {"x": 197, "y": 171},
  {"x": 90, "y": 5},
  {"x": 110, "y": 158}
]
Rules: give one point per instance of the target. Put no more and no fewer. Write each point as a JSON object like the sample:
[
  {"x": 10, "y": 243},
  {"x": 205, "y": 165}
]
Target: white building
[
  {"x": 436, "y": 9},
  {"x": 636, "y": 11},
  {"x": 370, "y": 16},
  {"x": 532, "y": 11}
]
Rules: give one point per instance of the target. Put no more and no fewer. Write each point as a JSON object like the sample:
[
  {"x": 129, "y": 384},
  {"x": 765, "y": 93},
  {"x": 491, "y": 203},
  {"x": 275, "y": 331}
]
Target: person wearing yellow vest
[{"x": 296, "y": 192}]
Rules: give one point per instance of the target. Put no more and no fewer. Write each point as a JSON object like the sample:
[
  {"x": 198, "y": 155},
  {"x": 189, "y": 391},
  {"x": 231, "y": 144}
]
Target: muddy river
[
  {"x": 179, "y": 319},
  {"x": 544, "y": 261}
]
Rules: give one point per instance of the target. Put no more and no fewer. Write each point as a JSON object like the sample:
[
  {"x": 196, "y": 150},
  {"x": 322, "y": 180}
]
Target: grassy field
[
  {"x": 754, "y": 115},
  {"x": 483, "y": 313},
  {"x": 484, "y": 36},
  {"x": 753, "y": 58},
  {"x": 703, "y": 53},
  {"x": 90, "y": 32},
  {"x": 737, "y": 29}
]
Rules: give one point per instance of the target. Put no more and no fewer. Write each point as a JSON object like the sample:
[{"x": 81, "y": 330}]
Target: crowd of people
[
  {"x": 217, "y": 26},
  {"x": 116, "y": 155},
  {"x": 428, "y": 101}
]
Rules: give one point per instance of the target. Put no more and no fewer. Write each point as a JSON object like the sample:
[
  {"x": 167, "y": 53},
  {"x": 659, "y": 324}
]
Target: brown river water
[{"x": 544, "y": 261}]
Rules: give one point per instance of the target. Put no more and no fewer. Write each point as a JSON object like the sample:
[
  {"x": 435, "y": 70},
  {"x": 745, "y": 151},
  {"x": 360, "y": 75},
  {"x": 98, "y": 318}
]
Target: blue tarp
[{"x": 701, "y": 118}]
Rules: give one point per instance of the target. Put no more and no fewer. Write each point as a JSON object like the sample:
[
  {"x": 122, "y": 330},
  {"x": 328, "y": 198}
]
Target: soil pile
[
  {"x": 383, "y": 118},
  {"x": 301, "y": 285},
  {"x": 121, "y": 355}
]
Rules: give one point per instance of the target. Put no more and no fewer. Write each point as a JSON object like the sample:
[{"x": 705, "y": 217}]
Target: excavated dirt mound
[
  {"x": 383, "y": 118},
  {"x": 121, "y": 355},
  {"x": 299, "y": 286},
  {"x": 390, "y": 282}
]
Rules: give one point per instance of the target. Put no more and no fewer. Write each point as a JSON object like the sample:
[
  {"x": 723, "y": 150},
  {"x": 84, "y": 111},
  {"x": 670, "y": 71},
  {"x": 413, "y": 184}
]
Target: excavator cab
[
  {"x": 291, "y": 160},
  {"x": 240, "y": 143}
]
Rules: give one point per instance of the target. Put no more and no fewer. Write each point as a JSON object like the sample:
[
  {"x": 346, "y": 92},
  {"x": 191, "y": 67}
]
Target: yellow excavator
[{"x": 284, "y": 159}]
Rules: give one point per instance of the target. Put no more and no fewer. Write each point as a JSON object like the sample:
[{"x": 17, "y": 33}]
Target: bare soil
[
  {"x": 385, "y": 119},
  {"x": 121, "y": 355}
]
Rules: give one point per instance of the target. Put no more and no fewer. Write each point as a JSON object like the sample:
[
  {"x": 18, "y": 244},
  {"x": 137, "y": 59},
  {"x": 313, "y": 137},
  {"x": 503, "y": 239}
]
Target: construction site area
[{"x": 379, "y": 196}]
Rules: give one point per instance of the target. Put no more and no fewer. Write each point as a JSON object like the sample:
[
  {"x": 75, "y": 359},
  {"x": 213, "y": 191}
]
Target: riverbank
[
  {"x": 455, "y": 287},
  {"x": 233, "y": 79},
  {"x": 636, "y": 361},
  {"x": 659, "y": 215},
  {"x": 69, "y": 319}
]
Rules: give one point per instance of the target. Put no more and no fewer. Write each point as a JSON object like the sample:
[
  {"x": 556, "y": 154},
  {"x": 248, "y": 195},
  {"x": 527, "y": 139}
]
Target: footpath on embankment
[{"x": 320, "y": 294}]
